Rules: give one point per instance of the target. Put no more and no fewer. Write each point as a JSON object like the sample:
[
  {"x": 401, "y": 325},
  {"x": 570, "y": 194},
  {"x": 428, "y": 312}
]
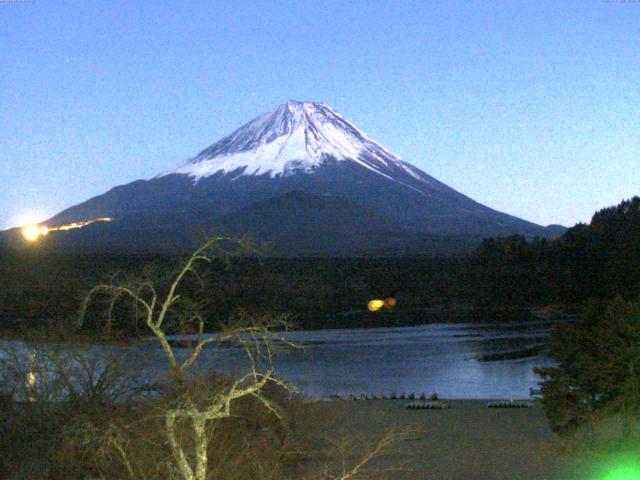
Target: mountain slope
[
  {"x": 302, "y": 224},
  {"x": 299, "y": 147}
]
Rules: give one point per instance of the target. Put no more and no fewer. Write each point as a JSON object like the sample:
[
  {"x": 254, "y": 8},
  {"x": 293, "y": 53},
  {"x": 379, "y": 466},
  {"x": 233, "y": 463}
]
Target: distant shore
[
  {"x": 357, "y": 319},
  {"x": 411, "y": 317}
]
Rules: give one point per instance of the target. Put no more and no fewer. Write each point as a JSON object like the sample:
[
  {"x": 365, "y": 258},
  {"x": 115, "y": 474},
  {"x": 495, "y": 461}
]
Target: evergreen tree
[{"x": 598, "y": 365}]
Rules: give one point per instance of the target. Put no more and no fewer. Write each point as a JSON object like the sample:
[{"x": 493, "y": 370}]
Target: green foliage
[
  {"x": 320, "y": 292},
  {"x": 509, "y": 271},
  {"x": 599, "y": 260},
  {"x": 598, "y": 365},
  {"x": 611, "y": 434}
]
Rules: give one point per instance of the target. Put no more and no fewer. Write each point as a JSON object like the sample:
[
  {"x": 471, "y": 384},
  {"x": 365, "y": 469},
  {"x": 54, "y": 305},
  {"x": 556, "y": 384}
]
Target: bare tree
[
  {"x": 156, "y": 311},
  {"x": 352, "y": 458},
  {"x": 195, "y": 407},
  {"x": 50, "y": 370}
]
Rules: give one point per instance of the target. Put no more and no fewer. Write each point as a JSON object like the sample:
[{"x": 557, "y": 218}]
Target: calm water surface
[{"x": 442, "y": 358}]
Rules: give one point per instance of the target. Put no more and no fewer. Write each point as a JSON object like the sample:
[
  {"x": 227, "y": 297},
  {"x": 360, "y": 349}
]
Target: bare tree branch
[{"x": 254, "y": 335}]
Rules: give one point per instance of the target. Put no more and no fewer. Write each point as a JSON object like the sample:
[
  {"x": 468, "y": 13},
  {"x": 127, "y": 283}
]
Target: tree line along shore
[{"x": 503, "y": 278}]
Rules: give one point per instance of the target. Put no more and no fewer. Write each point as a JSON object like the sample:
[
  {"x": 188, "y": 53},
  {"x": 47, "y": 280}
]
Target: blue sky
[{"x": 532, "y": 108}]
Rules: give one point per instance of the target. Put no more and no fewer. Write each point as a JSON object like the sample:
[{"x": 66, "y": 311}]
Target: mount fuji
[{"x": 301, "y": 178}]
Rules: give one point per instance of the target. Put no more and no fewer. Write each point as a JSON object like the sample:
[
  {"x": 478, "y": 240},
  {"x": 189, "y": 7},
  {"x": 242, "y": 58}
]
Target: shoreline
[{"x": 399, "y": 317}]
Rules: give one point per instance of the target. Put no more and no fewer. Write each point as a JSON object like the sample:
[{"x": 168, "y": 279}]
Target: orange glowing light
[
  {"x": 375, "y": 305},
  {"x": 390, "y": 302},
  {"x": 31, "y": 232},
  {"x": 73, "y": 226},
  {"x": 34, "y": 232}
]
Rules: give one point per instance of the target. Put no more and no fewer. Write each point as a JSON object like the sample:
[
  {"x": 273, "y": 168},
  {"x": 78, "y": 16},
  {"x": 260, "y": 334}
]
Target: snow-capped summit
[
  {"x": 300, "y": 177},
  {"x": 294, "y": 137}
]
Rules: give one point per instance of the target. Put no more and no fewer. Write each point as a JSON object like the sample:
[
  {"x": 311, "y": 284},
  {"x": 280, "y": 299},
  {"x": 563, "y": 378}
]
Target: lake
[
  {"x": 441, "y": 358},
  {"x": 448, "y": 359}
]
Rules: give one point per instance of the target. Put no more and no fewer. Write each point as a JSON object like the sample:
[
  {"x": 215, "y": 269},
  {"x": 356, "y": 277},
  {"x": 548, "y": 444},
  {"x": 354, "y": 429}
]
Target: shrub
[
  {"x": 90, "y": 437},
  {"x": 610, "y": 434},
  {"x": 598, "y": 366}
]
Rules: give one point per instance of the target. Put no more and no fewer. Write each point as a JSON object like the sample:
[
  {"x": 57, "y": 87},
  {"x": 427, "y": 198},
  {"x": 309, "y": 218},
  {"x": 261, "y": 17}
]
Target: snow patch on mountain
[
  {"x": 413, "y": 171},
  {"x": 276, "y": 157},
  {"x": 295, "y": 137}
]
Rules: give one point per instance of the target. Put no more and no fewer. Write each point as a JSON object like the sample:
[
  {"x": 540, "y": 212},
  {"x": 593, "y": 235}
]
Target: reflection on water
[{"x": 442, "y": 358}]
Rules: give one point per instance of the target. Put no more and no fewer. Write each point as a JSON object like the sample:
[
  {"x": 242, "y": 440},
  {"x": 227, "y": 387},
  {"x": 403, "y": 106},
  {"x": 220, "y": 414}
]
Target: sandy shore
[{"x": 465, "y": 442}]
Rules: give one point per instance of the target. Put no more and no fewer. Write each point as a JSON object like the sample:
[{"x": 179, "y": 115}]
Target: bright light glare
[
  {"x": 26, "y": 219},
  {"x": 625, "y": 471},
  {"x": 34, "y": 232},
  {"x": 375, "y": 305},
  {"x": 31, "y": 233},
  {"x": 619, "y": 467}
]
